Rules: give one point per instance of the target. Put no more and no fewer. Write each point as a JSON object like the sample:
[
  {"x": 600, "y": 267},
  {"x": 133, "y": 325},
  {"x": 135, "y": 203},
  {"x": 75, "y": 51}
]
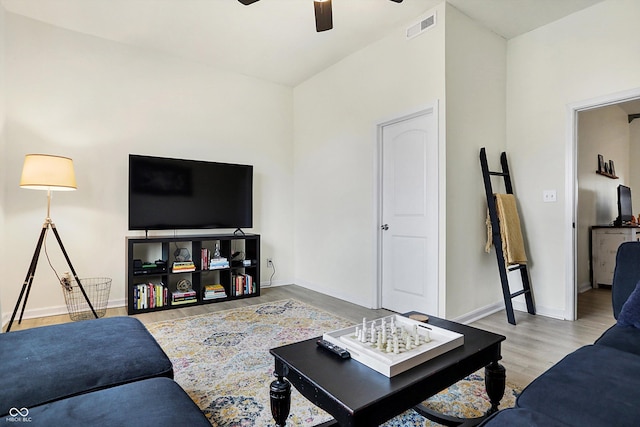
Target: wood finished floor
[{"x": 531, "y": 347}]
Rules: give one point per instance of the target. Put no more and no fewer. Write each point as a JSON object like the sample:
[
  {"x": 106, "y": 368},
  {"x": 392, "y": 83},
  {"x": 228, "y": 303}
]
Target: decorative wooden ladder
[{"x": 497, "y": 239}]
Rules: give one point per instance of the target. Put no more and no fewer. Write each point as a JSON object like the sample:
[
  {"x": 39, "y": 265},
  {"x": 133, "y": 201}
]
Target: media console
[{"x": 172, "y": 272}]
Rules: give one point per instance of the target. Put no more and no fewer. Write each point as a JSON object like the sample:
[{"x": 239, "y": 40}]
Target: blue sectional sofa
[
  {"x": 103, "y": 372},
  {"x": 598, "y": 384}
]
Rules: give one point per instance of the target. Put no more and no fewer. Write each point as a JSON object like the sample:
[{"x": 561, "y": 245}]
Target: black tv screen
[
  {"x": 166, "y": 194},
  {"x": 625, "y": 211}
]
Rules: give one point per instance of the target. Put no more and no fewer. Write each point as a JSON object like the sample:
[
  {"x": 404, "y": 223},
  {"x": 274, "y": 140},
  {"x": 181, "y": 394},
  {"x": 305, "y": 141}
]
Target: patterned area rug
[{"x": 222, "y": 361}]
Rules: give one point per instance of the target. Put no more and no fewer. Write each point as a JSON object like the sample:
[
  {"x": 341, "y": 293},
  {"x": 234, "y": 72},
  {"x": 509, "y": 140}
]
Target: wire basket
[{"x": 96, "y": 290}]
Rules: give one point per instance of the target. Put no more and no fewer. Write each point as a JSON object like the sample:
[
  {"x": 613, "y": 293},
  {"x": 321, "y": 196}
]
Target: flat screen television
[
  {"x": 167, "y": 194},
  {"x": 625, "y": 211}
]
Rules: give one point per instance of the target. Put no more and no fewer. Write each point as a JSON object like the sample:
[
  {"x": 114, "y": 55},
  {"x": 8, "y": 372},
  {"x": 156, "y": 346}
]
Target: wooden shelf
[{"x": 608, "y": 175}]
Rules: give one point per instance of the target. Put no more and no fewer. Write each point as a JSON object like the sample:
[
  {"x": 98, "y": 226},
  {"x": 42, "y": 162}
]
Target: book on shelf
[
  {"x": 178, "y": 294},
  {"x": 182, "y": 263},
  {"x": 205, "y": 257},
  {"x": 149, "y": 295},
  {"x": 183, "y": 267},
  {"x": 214, "y": 291},
  {"x": 242, "y": 284},
  {"x": 217, "y": 263},
  {"x": 185, "y": 301},
  {"x": 183, "y": 297},
  {"x": 217, "y": 287},
  {"x": 214, "y": 296}
]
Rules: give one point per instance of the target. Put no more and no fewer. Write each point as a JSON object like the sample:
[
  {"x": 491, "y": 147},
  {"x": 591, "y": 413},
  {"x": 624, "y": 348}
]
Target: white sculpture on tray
[
  {"x": 389, "y": 338},
  {"x": 395, "y": 343}
]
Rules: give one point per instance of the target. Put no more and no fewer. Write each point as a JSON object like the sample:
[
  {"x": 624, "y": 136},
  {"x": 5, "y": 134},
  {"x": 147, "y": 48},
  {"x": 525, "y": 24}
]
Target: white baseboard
[
  {"x": 62, "y": 309},
  {"x": 332, "y": 293},
  {"x": 554, "y": 313},
  {"x": 274, "y": 283},
  {"x": 584, "y": 287},
  {"x": 467, "y": 318},
  {"x": 52, "y": 311},
  {"x": 479, "y": 313},
  {"x": 482, "y": 312}
]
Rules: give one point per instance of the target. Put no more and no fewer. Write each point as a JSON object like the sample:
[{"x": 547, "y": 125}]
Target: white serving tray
[{"x": 390, "y": 364}]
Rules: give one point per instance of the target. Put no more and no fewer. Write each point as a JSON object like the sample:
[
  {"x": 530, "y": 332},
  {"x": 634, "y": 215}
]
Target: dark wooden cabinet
[{"x": 153, "y": 284}]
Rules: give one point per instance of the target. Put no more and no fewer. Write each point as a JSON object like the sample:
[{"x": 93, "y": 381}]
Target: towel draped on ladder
[{"x": 510, "y": 231}]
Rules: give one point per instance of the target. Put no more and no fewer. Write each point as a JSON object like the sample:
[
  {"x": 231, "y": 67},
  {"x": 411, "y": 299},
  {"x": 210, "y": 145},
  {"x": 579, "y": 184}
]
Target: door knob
[{"x": 384, "y": 226}]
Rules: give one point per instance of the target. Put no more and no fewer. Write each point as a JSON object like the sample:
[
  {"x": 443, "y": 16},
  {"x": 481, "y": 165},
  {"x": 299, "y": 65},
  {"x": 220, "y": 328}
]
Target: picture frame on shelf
[
  {"x": 612, "y": 168},
  {"x": 600, "y": 163}
]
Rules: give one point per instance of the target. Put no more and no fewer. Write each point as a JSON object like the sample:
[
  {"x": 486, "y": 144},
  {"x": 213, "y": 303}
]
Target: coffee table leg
[
  {"x": 280, "y": 396},
  {"x": 494, "y": 380}
]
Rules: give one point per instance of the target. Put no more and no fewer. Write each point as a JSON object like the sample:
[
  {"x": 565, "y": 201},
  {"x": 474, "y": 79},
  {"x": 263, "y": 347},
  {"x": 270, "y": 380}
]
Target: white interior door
[{"x": 409, "y": 228}]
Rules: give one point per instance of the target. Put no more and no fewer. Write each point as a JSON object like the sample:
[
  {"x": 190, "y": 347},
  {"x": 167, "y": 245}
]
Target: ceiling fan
[{"x": 324, "y": 16}]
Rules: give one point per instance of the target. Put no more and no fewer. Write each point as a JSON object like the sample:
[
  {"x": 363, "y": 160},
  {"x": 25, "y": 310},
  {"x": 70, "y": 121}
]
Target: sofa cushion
[
  {"x": 593, "y": 386},
  {"x": 43, "y": 364},
  {"x": 630, "y": 312},
  {"x": 625, "y": 275},
  {"x": 623, "y": 338},
  {"x": 520, "y": 417},
  {"x": 154, "y": 402}
]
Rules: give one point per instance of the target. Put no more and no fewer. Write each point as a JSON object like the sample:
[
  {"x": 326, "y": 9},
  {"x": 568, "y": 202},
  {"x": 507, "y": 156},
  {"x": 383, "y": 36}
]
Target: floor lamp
[{"x": 50, "y": 173}]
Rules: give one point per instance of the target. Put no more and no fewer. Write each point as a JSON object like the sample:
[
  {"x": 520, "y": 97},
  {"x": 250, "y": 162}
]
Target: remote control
[{"x": 339, "y": 351}]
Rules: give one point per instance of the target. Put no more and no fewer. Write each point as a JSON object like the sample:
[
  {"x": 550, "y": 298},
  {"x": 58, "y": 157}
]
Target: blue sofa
[
  {"x": 103, "y": 372},
  {"x": 598, "y": 384}
]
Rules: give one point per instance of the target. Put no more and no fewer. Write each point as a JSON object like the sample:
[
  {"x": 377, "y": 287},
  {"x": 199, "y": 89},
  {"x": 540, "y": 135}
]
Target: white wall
[
  {"x": 336, "y": 113},
  {"x": 583, "y": 56},
  {"x": 2, "y": 147},
  {"x": 97, "y": 101},
  {"x": 475, "y": 116},
  {"x": 600, "y": 131},
  {"x": 335, "y": 117}
]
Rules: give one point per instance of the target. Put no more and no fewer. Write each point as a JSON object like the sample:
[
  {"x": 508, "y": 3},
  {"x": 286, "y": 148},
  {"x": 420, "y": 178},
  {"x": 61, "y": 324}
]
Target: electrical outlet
[
  {"x": 269, "y": 263},
  {"x": 549, "y": 196}
]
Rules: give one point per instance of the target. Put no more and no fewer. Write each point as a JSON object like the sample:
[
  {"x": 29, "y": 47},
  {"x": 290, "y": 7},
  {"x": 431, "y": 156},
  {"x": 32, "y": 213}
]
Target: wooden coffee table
[{"x": 356, "y": 395}]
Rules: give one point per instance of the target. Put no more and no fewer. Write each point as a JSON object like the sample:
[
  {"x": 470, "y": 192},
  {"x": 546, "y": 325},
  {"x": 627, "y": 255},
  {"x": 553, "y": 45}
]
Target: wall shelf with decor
[
  {"x": 608, "y": 175},
  {"x": 174, "y": 272},
  {"x": 606, "y": 167}
]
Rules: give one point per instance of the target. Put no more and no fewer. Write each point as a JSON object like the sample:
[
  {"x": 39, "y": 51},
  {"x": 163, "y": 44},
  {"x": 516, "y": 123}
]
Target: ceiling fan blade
[
  {"x": 397, "y": 1},
  {"x": 324, "y": 16},
  {"x": 248, "y": 2}
]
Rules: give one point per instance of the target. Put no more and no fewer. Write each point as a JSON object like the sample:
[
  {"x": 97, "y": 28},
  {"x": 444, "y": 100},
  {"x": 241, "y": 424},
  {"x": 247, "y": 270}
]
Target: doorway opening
[{"x": 600, "y": 130}]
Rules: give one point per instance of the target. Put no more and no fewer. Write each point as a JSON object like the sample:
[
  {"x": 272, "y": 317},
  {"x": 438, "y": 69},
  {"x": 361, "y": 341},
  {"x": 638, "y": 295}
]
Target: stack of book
[
  {"x": 186, "y": 297},
  {"x": 242, "y": 285},
  {"x": 149, "y": 295},
  {"x": 218, "y": 263},
  {"x": 183, "y": 267},
  {"x": 214, "y": 291}
]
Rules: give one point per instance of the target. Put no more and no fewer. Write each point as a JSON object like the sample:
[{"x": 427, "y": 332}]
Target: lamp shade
[{"x": 47, "y": 172}]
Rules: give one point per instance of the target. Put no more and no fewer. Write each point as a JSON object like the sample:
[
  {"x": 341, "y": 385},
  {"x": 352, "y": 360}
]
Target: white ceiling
[{"x": 272, "y": 39}]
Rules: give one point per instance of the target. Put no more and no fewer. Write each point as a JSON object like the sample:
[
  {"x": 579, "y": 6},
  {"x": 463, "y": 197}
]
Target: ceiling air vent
[{"x": 422, "y": 26}]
